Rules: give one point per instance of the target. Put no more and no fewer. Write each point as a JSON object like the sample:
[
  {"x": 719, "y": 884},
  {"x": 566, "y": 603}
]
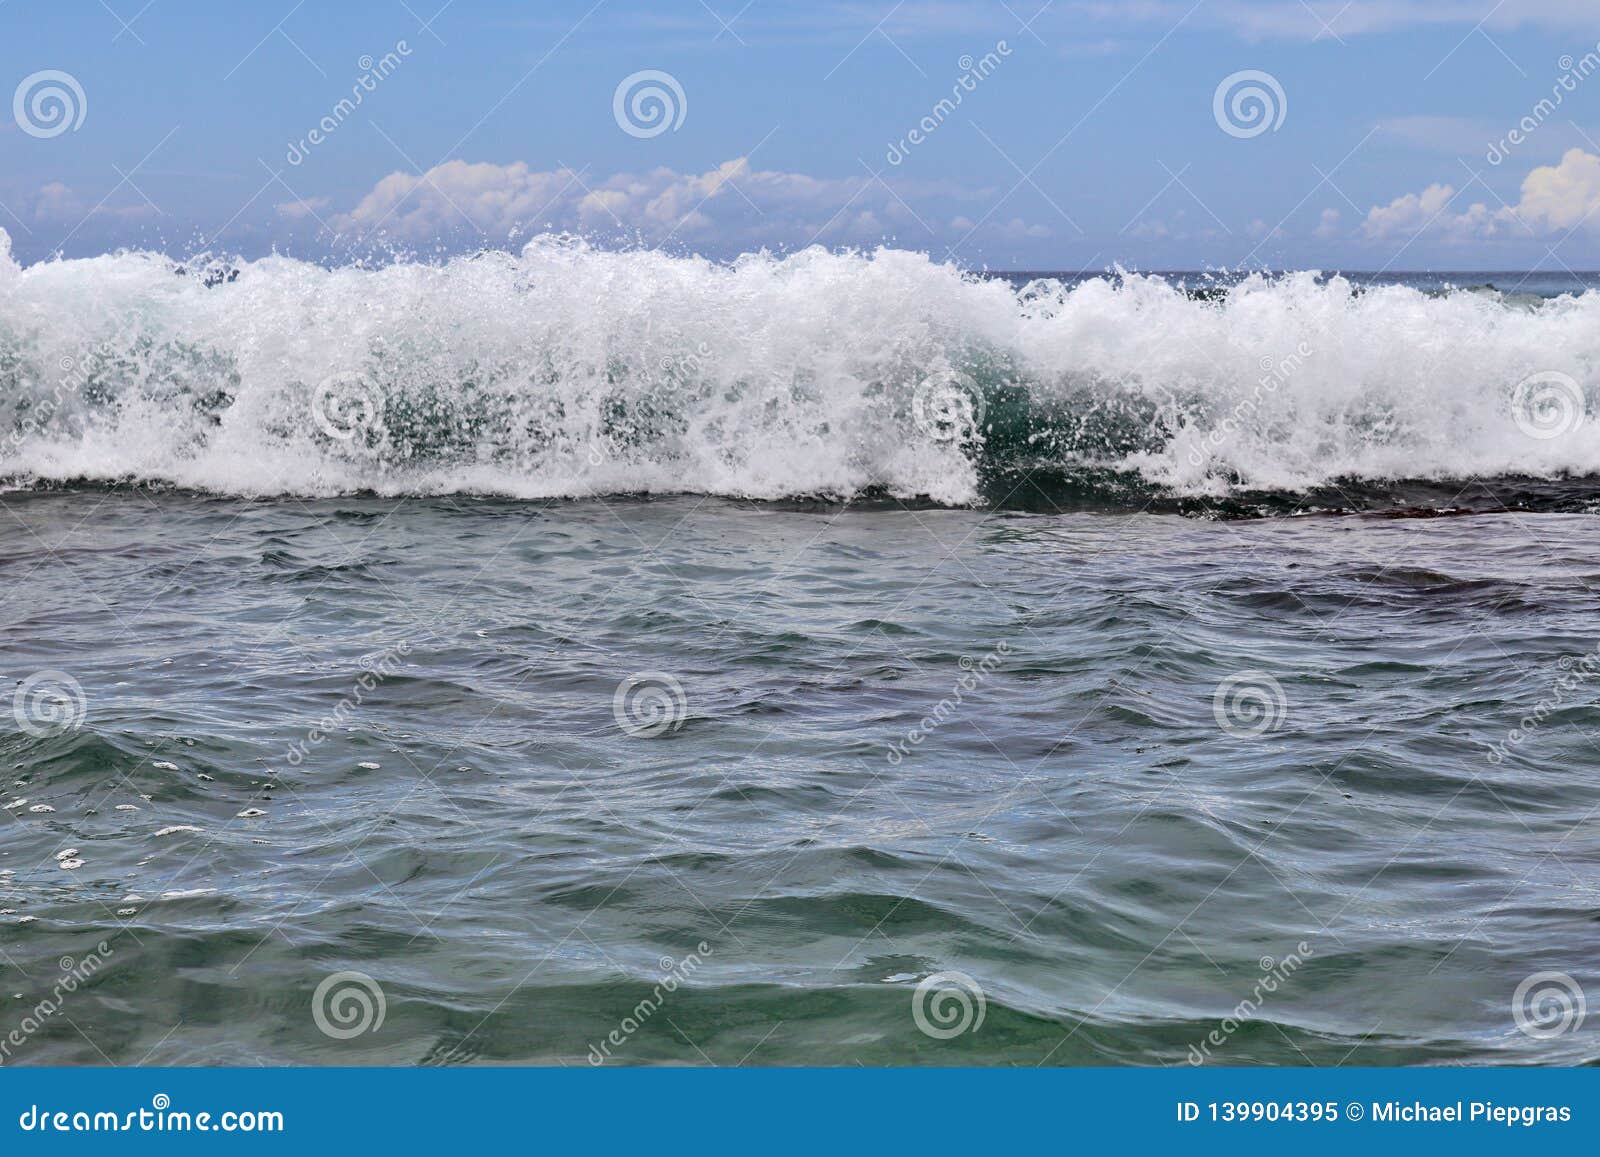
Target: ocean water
[{"x": 577, "y": 657}]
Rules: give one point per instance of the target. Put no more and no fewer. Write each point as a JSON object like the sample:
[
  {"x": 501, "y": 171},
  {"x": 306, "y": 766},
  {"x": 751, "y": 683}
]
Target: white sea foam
[{"x": 568, "y": 370}]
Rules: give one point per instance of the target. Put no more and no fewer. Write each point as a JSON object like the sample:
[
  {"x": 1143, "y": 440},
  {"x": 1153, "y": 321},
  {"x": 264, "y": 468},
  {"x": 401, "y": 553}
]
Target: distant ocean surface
[{"x": 578, "y": 657}]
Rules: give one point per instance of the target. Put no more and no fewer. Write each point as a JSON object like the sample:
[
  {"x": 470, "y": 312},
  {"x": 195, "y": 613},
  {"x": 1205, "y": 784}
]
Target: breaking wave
[{"x": 567, "y": 370}]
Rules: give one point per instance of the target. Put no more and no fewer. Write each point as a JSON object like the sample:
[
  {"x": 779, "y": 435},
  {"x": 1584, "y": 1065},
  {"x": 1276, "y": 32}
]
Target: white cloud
[
  {"x": 1409, "y": 214},
  {"x": 1459, "y": 135},
  {"x": 60, "y": 204},
  {"x": 1555, "y": 199},
  {"x": 1017, "y": 229},
  {"x": 303, "y": 208},
  {"x": 1328, "y": 226},
  {"x": 732, "y": 203},
  {"x": 1151, "y": 230},
  {"x": 57, "y": 202},
  {"x": 1292, "y": 19},
  {"x": 1564, "y": 196},
  {"x": 1179, "y": 228},
  {"x": 847, "y": 21}
]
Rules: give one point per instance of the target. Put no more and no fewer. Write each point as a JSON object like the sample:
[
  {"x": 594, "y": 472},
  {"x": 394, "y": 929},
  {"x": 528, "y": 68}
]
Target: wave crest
[{"x": 570, "y": 371}]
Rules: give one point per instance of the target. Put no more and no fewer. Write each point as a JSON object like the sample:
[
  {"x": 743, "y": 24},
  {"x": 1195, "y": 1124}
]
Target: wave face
[{"x": 570, "y": 371}]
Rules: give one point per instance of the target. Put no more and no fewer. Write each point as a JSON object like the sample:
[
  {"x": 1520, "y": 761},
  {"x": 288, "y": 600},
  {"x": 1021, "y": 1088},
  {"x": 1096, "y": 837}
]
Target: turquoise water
[{"x": 744, "y": 776}]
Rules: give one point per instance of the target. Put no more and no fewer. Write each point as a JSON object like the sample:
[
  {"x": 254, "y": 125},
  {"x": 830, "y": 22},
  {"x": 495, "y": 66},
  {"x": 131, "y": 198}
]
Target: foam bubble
[{"x": 570, "y": 371}]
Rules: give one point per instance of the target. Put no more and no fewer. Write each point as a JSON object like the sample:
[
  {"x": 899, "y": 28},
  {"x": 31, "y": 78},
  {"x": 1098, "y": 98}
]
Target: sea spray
[{"x": 565, "y": 370}]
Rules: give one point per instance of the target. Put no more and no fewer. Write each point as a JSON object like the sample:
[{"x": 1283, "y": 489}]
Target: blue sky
[{"x": 1086, "y": 133}]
